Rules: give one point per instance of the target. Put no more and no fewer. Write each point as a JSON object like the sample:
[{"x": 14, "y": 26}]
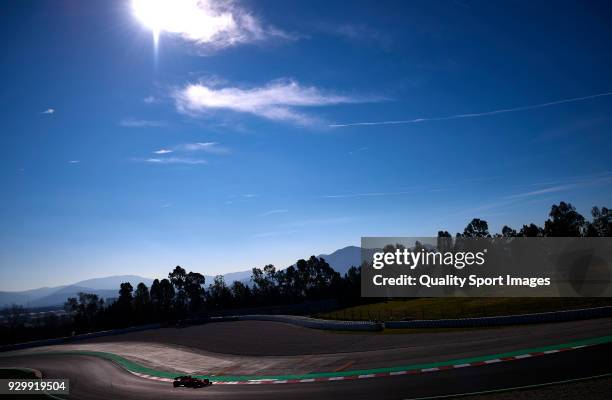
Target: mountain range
[{"x": 107, "y": 287}]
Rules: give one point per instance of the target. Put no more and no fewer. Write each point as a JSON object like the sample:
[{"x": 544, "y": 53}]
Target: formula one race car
[{"x": 190, "y": 381}]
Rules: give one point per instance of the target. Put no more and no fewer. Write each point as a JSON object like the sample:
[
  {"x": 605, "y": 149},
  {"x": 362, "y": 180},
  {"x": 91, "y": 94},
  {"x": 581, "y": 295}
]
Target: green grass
[{"x": 459, "y": 307}]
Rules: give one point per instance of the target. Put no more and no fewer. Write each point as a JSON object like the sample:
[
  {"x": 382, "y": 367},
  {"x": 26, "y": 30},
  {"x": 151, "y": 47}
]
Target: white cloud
[
  {"x": 141, "y": 123},
  {"x": 207, "y": 147},
  {"x": 272, "y": 212},
  {"x": 175, "y": 160},
  {"x": 206, "y": 23},
  {"x": 162, "y": 151},
  {"x": 277, "y": 100},
  {"x": 74, "y": 161},
  {"x": 49, "y": 111}
]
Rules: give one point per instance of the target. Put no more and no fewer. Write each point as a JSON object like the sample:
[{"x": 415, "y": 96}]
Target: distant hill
[
  {"x": 60, "y": 296},
  {"x": 230, "y": 277},
  {"x": 105, "y": 288},
  {"x": 113, "y": 282},
  {"x": 108, "y": 287},
  {"x": 22, "y": 298},
  {"x": 341, "y": 260}
]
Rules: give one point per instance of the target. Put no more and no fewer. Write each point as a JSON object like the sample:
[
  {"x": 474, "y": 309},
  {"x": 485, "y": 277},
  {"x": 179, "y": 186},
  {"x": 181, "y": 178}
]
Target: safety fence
[{"x": 306, "y": 322}]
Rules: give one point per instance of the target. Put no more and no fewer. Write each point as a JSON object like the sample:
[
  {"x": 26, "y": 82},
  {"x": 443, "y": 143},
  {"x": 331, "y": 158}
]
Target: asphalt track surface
[
  {"x": 95, "y": 378},
  {"x": 258, "y": 338}
]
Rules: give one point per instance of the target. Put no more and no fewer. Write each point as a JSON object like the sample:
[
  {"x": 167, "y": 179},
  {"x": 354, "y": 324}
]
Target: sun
[
  {"x": 201, "y": 21},
  {"x": 151, "y": 13}
]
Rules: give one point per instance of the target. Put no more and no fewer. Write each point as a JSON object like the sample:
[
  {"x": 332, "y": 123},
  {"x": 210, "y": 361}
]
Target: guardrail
[
  {"x": 315, "y": 323},
  {"x": 518, "y": 319}
]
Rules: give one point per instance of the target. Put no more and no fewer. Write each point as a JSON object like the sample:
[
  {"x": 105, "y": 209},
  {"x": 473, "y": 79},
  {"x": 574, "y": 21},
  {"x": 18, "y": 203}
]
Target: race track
[{"x": 95, "y": 378}]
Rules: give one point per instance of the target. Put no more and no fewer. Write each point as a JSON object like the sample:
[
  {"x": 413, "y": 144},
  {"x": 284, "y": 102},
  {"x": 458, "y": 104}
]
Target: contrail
[{"x": 473, "y": 115}]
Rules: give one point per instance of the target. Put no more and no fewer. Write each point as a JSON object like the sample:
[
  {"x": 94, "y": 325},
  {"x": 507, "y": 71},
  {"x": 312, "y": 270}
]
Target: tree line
[{"x": 184, "y": 294}]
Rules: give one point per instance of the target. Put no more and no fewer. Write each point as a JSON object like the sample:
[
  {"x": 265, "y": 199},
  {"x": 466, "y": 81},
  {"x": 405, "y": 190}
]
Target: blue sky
[{"x": 217, "y": 149}]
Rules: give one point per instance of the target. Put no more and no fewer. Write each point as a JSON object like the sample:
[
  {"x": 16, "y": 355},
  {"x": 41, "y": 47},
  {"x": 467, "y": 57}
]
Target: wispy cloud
[
  {"x": 175, "y": 160},
  {"x": 74, "y": 161},
  {"x": 552, "y": 189},
  {"x": 410, "y": 190},
  {"x": 272, "y": 212},
  {"x": 584, "y": 126},
  {"x": 474, "y": 115},
  {"x": 141, "y": 123},
  {"x": 274, "y": 233},
  {"x": 357, "y": 33},
  {"x": 240, "y": 198},
  {"x": 205, "y": 147},
  {"x": 370, "y": 194},
  {"x": 359, "y": 150},
  {"x": 49, "y": 111},
  {"x": 163, "y": 151},
  {"x": 548, "y": 193},
  {"x": 278, "y": 100},
  {"x": 150, "y": 100},
  {"x": 206, "y": 23},
  {"x": 321, "y": 221},
  {"x": 571, "y": 184}
]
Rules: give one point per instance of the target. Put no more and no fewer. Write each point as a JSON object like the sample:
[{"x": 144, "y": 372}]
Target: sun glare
[
  {"x": 151, "y": 14},
  {"x": 196, "y": 20}
]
